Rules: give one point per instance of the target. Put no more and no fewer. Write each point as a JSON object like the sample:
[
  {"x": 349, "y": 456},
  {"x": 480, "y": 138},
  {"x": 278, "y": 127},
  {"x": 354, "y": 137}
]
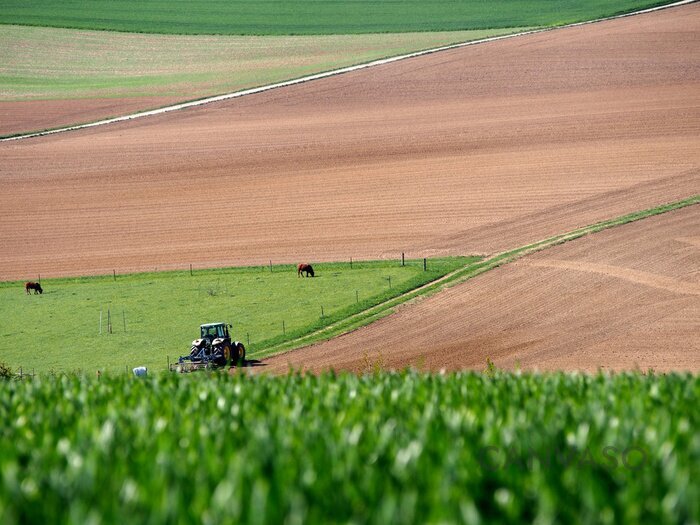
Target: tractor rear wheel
[{"x": 240, "y": 354}]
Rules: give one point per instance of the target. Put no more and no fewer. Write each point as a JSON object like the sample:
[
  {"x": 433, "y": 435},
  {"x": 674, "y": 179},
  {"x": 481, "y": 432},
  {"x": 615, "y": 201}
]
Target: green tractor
[{"x": 213, "y": 349}]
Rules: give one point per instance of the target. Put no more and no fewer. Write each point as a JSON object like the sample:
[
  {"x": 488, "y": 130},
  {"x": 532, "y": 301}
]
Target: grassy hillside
[
  {"x": 380, "y": 448},
  {"x": 157, "y": 315},
  {"x": 289, "y": 17}
]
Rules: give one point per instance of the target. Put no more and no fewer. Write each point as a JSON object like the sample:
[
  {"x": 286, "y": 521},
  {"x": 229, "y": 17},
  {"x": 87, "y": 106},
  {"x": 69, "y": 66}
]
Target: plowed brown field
[
  {"x": 619, "y": 299},
  {"x": 466, "y": 151},
  {"x": 37, "y": 115}
]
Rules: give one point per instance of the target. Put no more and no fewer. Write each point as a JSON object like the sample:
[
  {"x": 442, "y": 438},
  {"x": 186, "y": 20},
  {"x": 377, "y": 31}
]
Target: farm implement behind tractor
[{"x": 214, "y": 349}]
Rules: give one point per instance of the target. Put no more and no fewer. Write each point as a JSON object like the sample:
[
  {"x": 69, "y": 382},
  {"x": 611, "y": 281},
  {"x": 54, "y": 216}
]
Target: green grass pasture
[
  {"x": 38, "y": 63},
  {"x": 156, "y": 315},
  {"x": 381, "y": 448},
  {"x": 304, "y": 17}
]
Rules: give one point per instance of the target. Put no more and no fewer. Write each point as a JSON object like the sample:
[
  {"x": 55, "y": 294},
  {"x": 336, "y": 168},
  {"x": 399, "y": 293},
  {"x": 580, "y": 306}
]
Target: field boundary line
[
  {"x": 327, "y": 74},
  {"x": 360, "y": 319}
]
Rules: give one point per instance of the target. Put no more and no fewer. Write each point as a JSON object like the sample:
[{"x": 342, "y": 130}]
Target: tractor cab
[{"x": 213, "y": 331}]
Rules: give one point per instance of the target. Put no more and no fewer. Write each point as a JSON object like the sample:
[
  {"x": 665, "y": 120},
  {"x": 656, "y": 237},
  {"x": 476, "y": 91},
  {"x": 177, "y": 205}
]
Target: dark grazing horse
[
  {"x": 33, "y": 286},
  {"x": 305, "y": 268}
]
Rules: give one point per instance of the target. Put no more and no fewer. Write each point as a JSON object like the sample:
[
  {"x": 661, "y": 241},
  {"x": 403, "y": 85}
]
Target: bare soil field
[
  {"x": 21, "y": 116},
  {"x": 624, "y": 298},
  {"x": 466, "y": 151}
]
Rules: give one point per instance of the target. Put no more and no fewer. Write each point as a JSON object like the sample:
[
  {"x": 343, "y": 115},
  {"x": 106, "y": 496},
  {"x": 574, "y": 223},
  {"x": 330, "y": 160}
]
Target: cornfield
[{"x": 380, "y": 448}]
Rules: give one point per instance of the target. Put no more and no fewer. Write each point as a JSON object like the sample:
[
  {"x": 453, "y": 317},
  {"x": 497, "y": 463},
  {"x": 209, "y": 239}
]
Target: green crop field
[
  {"x": 380, "y": 448},
  {"x": 156, "y": 315},
  {"x": 39, "y": 63},
  {"x": 274, "y": 17}
]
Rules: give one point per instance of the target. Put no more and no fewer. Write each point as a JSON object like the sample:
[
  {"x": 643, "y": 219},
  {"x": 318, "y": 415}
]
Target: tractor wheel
[
  {"x": 240, "y": 354},
  {"x": 228, "y": 354}
]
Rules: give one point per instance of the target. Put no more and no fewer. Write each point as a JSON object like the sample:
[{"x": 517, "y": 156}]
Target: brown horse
[
  {"x": 305, "y": 268},
  {"x": 33, "y": 286}
]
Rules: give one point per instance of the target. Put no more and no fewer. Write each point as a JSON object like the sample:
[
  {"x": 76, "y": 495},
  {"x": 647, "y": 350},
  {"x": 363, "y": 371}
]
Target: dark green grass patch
[
  {"x": 156, "y": 315},
  {"x": 274, "y": 17},
  {"x": 381, "y": 448}
]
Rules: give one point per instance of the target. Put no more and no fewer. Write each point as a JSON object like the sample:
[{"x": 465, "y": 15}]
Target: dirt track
[
  {"x": 468, "y": 151},
  {"x": 619, "y": 299}
]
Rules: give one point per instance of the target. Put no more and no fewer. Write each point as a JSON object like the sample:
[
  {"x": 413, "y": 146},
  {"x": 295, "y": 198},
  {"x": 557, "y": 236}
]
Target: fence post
[
  {"x": 321, "y": 311},
  {"x": 351, "y": 263},
  {"x": 114, "y": 273},
  {"x": 191, "y": 270},
  {"x": 390, "y": 282},
  {"x": 357, "y": 296},
  {"x": 248, "y": 339},
  {"x": 270, "y": 265},
  {"x": 403, "y": 261},
  {"x": 425, "y": 264},
  {"x": 283, "y": 329}
]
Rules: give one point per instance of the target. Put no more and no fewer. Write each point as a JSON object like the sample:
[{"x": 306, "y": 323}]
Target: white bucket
[{"x": 140, "y": 371}]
